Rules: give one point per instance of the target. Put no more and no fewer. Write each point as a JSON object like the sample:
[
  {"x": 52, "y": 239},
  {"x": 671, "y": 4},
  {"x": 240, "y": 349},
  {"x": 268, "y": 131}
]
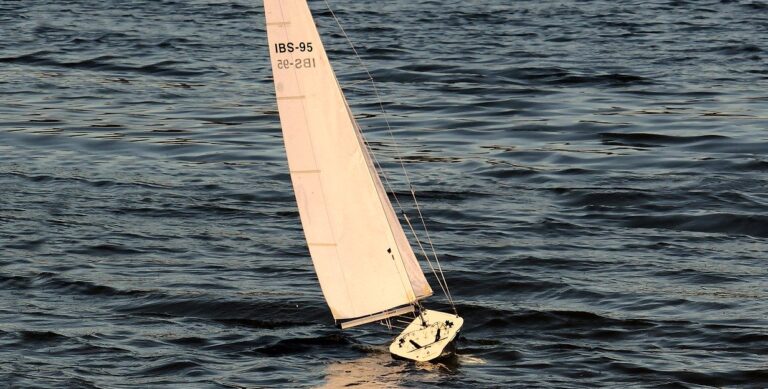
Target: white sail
[{"x": 361, "y": 255}]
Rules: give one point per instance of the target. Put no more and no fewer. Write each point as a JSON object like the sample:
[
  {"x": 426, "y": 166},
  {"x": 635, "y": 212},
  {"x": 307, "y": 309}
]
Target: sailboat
[{"x": 367, "y": 269}]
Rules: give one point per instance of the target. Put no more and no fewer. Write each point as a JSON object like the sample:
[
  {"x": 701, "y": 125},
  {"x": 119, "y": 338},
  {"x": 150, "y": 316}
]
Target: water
[{"x": 593, "y": 174}]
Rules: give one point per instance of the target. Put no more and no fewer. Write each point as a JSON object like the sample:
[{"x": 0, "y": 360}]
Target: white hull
[{"x": 431, "y": 335}]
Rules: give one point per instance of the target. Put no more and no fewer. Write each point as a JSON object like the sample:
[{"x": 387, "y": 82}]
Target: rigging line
[
  {"x": 358, "y": 82},
  {"x": 443, "y": 284},
  {"x": 378, "y": 101},
  {"x": 439, "y": 267},
  {"x": 402, "y": 164},
  {"x": 397, "y": 152},
  {"x": 361, "y": 141},
  {"x": 444, "y": 288},
  {"x": 440, "y": 282},
  {"x": 391, "y": 326}
]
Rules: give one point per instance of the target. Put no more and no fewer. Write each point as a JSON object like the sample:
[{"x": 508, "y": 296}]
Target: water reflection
[{"x": 377, "y": 369}]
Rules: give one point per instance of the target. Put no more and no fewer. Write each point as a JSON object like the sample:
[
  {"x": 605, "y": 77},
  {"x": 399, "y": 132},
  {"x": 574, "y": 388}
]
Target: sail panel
[
  {"x": 298, "y": 138},
  {"x": 358, "y": 253},
  {"x": 308, "y": 189}
]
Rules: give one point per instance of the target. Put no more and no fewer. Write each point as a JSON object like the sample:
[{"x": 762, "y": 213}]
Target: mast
[{"x": 366, "y": 267}]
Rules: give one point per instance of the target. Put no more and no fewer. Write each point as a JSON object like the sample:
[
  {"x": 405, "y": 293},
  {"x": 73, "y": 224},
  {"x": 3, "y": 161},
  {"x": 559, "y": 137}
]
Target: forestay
[{"x": 361, "y": 254}]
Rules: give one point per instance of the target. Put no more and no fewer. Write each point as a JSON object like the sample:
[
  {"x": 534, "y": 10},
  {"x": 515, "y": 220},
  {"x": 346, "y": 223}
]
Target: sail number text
[
  {"x": 298, "y": 63},
  {"x": 290, "y": 47}
]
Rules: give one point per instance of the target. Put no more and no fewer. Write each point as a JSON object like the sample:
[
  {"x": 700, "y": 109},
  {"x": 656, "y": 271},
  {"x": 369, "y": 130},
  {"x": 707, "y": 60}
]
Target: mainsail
[{"x": 362, "y": 258}]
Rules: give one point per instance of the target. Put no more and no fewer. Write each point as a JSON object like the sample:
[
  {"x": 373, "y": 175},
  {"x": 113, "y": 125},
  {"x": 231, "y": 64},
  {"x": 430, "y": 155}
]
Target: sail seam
[{"x": 291, "y": 97}]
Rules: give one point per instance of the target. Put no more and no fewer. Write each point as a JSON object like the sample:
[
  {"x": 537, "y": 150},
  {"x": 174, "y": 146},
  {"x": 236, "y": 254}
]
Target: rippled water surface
[{"x": 593, "y": 174}]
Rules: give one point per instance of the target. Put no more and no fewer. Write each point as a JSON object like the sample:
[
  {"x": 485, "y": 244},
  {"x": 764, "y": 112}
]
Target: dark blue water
[{"x": 593, "y": 174}]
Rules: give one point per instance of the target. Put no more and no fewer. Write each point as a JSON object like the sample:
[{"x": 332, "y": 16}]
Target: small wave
[
  {"x": 84, "y": 287},
  {"x": 231, "y": 312},
  {"x": 756, "y": 5},
  {"x": 304, "y": 345},
  {"x": 549, "y": 320},
  {"x": 504, "y": 282},
  {"x": 189, "y": 341},
  {"x": 752, "y": 165},
  {"x": 615, "y": 79},
  {"x": 724, "y": 223},
  {"x": 28, "y": 336},
  {"x": 31, "y": 245},
  {"x": 754, "y": 338},
  {"x": 560, "y": 76},
  {"x": 733, "y": 378},
  {"x": 51, "y": 281},
  {"x": 173, "y": 42},
  {"x": 584, "y": 198},
  {"x": 217, "y": 209},
  {"x": 102, "y": 63},
  {"x": 698, "y": 277},
  {"x": 740, "y": 49},
  {"x": 654, "y": 140},
  {"x": 402, "y": 76},
  {"x": 440, "y": 195},
  {"x": 15, "y": 282},
  {"x": 97, "y": 183},
  {"x": 107, "y": 249},
  {"x": 35, "y": 58},
  {"x": 502, "y": 172},
  {"x": 266, "y": 324},
  {"x": 172, "y": 367}
]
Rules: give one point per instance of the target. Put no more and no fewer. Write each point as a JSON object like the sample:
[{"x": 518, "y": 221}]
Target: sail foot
[{"x": 377, "y": 316}]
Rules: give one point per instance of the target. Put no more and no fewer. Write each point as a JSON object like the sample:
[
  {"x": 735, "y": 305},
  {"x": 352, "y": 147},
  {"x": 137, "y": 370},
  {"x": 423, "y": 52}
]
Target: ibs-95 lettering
[
  {"x": 298, "y": 63},
  {"x": 290, "y": 47}
]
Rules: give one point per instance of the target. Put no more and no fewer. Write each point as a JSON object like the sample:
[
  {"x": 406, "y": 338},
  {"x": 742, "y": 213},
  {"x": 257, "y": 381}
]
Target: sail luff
[
  {"x": 356, "y": 250},
  {"x": 298, "y": 167}
]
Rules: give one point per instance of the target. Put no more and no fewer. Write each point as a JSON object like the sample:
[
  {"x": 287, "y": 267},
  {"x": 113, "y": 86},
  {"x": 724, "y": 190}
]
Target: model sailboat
[{"x": 366, "y": 267}]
